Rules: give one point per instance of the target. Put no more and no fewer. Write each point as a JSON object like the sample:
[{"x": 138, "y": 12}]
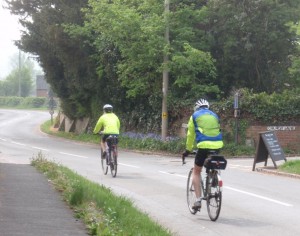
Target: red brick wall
[
  {"x": 42, "y": 93},
  {"x": 288, "y": 136}
]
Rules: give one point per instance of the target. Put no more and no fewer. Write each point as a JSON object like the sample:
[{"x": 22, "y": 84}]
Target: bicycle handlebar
[{"x": 194, "y": 152}]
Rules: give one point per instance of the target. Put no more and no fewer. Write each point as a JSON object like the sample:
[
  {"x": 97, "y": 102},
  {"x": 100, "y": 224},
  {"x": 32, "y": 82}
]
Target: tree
[
  {"x": 20, "y": 80},
  {"x": 65, "y": 60},
  {"x": 252, "y": 42}
]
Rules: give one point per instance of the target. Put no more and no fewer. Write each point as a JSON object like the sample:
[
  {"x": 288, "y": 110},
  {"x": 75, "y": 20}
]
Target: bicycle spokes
[
  {"x": 190, "y": 193},
  {"x": 214, "y": 196}
]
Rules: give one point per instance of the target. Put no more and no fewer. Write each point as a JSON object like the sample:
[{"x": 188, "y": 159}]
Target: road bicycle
[
  {"x": 211, "y": 185},
  {"x": 110, "y": 160}
]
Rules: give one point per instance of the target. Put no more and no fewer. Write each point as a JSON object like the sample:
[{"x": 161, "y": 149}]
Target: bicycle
[
  {"x": 212, "y": 189},
  {"x": 111, "y": 158}
]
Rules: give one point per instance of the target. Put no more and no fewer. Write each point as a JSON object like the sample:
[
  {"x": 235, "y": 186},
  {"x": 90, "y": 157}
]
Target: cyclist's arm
[
  {"x": 99, "y": 125},
  {"x": 190, "y": 138}
]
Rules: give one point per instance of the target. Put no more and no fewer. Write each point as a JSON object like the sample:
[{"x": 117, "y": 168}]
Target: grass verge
[
  {"x": 175, "y": 147},
  {"x": 292, "y": 167},
  {"x": 103, "y": 212}
]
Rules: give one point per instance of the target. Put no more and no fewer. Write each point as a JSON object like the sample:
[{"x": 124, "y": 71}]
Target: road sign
[{"x": 268, "y": 145}]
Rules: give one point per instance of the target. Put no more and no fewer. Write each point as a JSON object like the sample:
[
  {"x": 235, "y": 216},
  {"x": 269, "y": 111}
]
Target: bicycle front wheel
[
  {"x": 214, "y": 195},
  {"x": 114, "y": 165},
  {"x": 190, "y": 193},
  {"x": 103, "y": 164}
]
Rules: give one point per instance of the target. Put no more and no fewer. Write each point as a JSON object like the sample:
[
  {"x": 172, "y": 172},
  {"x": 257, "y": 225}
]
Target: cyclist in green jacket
[
  {"x": 110, "y": 124},
  {"x": 204, "y": 127}
]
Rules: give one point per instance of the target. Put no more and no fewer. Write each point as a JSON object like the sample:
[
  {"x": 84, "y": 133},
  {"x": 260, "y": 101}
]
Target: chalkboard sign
[{"x": 268, "y": 145}]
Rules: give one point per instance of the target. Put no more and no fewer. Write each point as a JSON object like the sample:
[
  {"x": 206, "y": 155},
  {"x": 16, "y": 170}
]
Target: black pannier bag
[{"x": 215, "y": 162}]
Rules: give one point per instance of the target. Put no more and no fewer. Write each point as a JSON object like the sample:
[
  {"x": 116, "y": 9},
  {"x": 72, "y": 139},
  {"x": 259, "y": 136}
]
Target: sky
[{"x": 10, "y": 31}]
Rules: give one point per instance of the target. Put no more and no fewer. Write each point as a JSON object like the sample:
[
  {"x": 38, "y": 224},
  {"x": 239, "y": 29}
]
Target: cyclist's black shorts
[
  {"x": 202, "y": 155},
  {"x": 105, "y": 136}
]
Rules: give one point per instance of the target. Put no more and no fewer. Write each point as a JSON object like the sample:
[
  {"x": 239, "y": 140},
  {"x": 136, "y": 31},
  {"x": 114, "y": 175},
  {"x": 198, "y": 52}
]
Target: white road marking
[
  {"x": 21, "y": 144},
  {"x": 122, "y": 164},
  {"x": 240, "y": 166},
  {"x": 43, "y": 149},
  {"x": 167, "y": 173},
  {"x": 259, "y": 196},
  {"x": 237, "y": 190},
  {"x": 70, "y": 154}
]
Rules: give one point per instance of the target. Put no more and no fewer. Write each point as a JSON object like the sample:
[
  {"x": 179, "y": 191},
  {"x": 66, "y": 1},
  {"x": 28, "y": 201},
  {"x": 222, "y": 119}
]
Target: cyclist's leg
[
  {"x": 199, "y": 162},
  {"x": 196, "y": 180},
  {"x": 103, "y": 144}
]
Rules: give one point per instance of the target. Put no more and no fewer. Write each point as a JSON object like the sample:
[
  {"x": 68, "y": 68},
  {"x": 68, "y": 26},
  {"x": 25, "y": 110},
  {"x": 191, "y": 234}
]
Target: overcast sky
[{"x": 10, "y": 31}]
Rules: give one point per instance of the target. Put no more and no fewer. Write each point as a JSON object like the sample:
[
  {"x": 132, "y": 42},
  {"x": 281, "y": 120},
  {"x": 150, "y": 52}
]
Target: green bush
[
  {"x": 34, "y": 102},
  {"x": 10, "y": 101},
  {"x": 276, "y": 108},
  {"x": 27, "y": 102}
]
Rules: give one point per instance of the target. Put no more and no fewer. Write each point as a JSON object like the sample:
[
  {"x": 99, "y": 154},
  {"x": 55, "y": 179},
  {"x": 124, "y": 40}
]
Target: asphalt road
[{"x": 254, "y": 203}]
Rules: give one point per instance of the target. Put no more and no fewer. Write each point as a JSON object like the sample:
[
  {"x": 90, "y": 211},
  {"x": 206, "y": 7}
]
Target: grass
[
  {"x": 103, "y": 212},
  {"x": 144, "y": 144},
  {"x": 292, "y": 167}
]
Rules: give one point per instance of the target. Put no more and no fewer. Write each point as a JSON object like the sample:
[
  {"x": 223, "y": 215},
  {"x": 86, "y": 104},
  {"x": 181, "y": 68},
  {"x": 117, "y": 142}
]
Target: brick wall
[{"x": 288, "y": 136}]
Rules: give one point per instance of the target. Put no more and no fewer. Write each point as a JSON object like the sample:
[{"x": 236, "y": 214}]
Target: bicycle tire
[
  {"x": 190, "y": 193},
  {"x": 104, "y": 164},
  {"x": 213, "y": 195},
  {"x": 114, "y": 164}
]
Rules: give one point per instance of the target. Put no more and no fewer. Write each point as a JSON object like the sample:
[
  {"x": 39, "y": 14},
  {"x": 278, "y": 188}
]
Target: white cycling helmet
[
  {"x": 201, "y": 103},
  {"x": 108, "y": 108}
]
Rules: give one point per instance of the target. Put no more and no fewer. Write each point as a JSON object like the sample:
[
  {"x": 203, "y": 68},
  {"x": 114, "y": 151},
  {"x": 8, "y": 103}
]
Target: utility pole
[
  {"x": 19, "y": 75},
  {"x": 165, "y": 85}
]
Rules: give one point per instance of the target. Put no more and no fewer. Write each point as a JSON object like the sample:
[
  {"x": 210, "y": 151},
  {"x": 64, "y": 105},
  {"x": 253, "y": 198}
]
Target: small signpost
[
  {"x": 51, "y": 104},
  {"x": 236, "y": 116},
  {"x": 268, "y": 145}
]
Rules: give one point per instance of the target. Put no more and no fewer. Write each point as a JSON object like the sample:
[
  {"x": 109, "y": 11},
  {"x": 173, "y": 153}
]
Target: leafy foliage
[
  {"x": 262, "y": 108},
  {"x": 20, "y": 80},
  {"x": 27, "y": 102},
  {"x": 252, "y": 42},
  {"x": 96, "y": 52}
]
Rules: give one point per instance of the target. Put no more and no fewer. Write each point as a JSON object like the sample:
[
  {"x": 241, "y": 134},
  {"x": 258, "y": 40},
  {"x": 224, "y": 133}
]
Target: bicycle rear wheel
[
  {"x": 190, "y": 193},
  {"x": 103, "y": 164},
  {"x": 214, "y": 195},
  {"x": 114, "y": 164}
]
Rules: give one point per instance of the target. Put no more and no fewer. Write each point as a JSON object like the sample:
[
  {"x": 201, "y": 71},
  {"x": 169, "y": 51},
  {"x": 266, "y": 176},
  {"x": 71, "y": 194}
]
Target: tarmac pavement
[{"x": 30, "y": 206}]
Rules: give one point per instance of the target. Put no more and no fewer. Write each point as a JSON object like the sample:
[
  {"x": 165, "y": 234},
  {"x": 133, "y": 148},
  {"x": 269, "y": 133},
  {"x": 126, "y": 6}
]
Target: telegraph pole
[
  {"x": 165, "y": 85},
  {"x": 19, "y": 75}
]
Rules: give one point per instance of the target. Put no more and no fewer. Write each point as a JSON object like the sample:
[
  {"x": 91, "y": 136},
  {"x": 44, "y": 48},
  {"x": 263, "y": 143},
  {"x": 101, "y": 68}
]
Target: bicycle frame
[{"x": 112, "y": 154}]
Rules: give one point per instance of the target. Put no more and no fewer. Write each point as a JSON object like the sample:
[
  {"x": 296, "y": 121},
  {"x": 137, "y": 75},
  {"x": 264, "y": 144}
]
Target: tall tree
[
  {"x": 20, "y": 80},
  {"x": 252, "y": 42},
  {"x": 65, "y": 60}
]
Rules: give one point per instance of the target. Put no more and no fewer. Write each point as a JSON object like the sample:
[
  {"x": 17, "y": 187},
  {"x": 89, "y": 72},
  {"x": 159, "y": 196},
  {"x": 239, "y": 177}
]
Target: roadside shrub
[
  {"x": 34, "y": 102},
  {"x": 10, "y": 101},
  {"x": 27, "y": 102}
]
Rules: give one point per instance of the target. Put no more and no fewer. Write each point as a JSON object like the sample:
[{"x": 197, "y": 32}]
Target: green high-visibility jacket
[{"x": 110, "y": 124}]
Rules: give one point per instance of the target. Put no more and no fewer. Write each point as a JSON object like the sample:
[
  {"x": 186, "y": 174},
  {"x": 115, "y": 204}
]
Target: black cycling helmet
[
  {"x": 108, "y": 108},
  {"x": 201, "y": 103}
]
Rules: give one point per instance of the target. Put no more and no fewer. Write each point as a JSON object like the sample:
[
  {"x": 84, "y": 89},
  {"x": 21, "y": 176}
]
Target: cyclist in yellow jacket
[
  {"x": 110, "y": 124},
  {"x": 204, "y": 127}
]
